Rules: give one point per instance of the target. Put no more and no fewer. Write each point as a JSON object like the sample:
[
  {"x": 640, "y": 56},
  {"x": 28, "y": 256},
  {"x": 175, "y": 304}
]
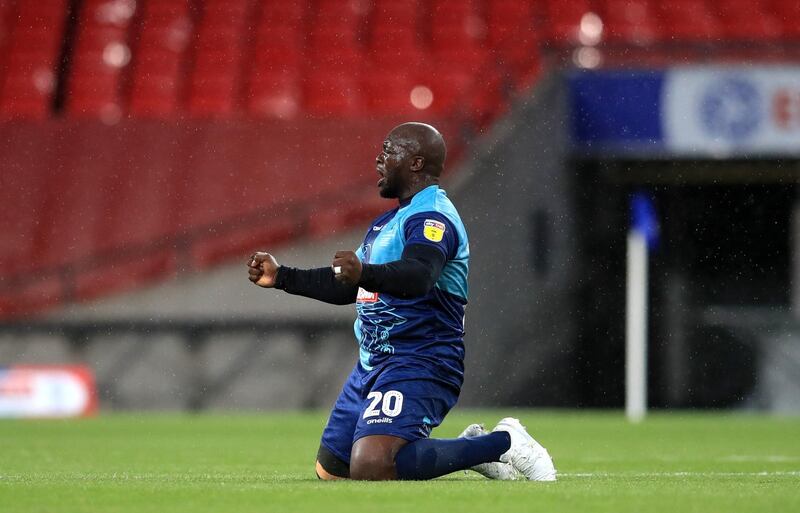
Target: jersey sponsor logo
[
  {"x": 382, "y": 420},
  {"x": 365, "y": 296},
  {"x": 386, "y": 237},
  {"x": 433, "y": 230}
]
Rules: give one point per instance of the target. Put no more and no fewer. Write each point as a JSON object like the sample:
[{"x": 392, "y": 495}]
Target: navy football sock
[{"x": 429, "y": 458}]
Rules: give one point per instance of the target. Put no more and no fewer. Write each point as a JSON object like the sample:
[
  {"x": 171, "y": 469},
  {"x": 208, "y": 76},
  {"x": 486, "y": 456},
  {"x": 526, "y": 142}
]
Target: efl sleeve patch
[{"x": 433, "y": 230}]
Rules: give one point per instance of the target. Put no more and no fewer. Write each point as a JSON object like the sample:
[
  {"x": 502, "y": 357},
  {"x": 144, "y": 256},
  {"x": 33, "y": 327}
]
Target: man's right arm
[{"x": 318, "y": 284}]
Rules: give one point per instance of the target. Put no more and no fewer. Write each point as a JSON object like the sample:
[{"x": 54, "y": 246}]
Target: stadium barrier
[{"x": 189, "y": 365}]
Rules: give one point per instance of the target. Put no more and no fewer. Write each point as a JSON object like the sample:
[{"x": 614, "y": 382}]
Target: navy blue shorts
[{"x": 386, "y": 401}]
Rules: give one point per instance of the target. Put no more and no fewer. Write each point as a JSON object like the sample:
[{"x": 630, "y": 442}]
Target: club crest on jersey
[
  {"x": 366, "y": 296},
  {"x": 433, "y": 230}
]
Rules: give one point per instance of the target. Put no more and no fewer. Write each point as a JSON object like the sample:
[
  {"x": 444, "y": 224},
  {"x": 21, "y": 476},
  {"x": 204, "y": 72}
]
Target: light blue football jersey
[{"x": 428, "y": 328}]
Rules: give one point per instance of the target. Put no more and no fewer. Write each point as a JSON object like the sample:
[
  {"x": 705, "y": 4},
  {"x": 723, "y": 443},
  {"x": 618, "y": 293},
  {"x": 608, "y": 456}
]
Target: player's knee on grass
[
  {"x": 329, "y": 467},
  {"x": 372, "y": 458}
]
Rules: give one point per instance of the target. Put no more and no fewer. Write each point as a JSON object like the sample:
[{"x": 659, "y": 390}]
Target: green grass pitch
[{"x": 264, "y": 462}]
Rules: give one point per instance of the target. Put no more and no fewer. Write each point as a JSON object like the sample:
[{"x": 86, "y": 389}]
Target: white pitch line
[
  {"x": 681, "y": 474},
  {"x": 772, "y": 458},
  {"x": 777, "y": 458}
]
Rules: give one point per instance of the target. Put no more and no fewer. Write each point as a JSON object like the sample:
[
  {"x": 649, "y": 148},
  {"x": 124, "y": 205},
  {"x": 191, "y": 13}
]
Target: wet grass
[{"x": 241, "y": 463}]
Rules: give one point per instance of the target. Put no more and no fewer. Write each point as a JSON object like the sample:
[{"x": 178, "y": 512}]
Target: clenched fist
[
  {"x": 346, "y": 267},
  {"x": 263, "y": 268}
]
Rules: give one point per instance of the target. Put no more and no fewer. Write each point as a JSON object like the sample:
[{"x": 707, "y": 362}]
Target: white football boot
[
  {"x": 494, "y": 469},
  {"x": 527, "y": 456}
]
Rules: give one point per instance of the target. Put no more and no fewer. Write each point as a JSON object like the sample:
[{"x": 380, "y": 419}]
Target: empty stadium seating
[
  {"x": 281, "y": 59},
  {"x": 199, "y": 83}
]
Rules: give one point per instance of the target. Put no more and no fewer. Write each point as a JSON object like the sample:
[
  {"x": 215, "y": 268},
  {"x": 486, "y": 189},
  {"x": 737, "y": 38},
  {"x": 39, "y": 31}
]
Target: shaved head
[
  {"x": 411, "y": 159},
  {"x": 422, "y": 140}
]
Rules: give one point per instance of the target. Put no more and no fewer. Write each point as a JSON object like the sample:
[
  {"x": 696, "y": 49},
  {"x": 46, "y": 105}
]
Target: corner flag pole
[
  {"x": 636, "y": 328},
  {"x": 643, "y": 235}
]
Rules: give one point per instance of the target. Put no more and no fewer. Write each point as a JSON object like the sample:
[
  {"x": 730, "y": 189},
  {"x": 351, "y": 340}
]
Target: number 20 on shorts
[{"x": 391, "y": 404}]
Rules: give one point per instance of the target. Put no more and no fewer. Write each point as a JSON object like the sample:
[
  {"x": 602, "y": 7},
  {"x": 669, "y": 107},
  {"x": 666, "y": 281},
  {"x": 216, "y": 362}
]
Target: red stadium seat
[
  {"x": 96, "y": 96},
  {"x": 154, "y": 98},
  {"x": 344, "y": 14},
  {"x": 394, "y": 13},
  {"x": 215, "y": 81},
  {"x": 101, "y": 53},
  {"x": 159, "y": 58},
  {"x": 6, "y": 10},
  {"x": 689, "y": 21},
  {"x": 31, "y": 52},
  {"x": 332, "y": 93},
  {"x": 338, "y": 43},
  {"x": 750, "y": 20},
  {"x": 630, "y": 21},
  {"x": 166, "y": 33},
  {"x": 290, "y": 13},
  {"x": 452, "y": 37},
  {"x": 395, "y": 43},
  {"x": 27, "y": 94},
  {"x": 277, "y": 59},
  {"x": 213, "y": 62},
  {"x": 461, "y": 13},
  {"x": 214, "y": 10},
  {"x": 335, "y": 60},
  {"x": 457, "y": 33},
  {"x": 47, "y": 12},
  {"x": 6, "y": 22},
  {"x": 506, "y": 21},
  {"x": 279, "y": 36},
  {"x": 513, "y": 37},
  {"x": 35, "y": 39},
  {"x": 274, "y": 94},
  {"x": 213, "y": 95},
  {"x": 388, "y": 93},
  {"x": 217, "y": 38},
  {"x": 154, "y": 9},
  {"x": 273, "y": 82},
  {"x": 450, "y": 87},
  {"x": 787, "y": 12},
  {"x": 157, "y": 62},
  {"x": 563, "y": 21}
]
